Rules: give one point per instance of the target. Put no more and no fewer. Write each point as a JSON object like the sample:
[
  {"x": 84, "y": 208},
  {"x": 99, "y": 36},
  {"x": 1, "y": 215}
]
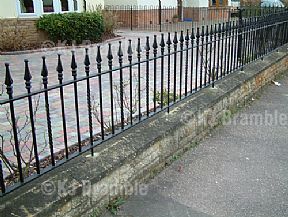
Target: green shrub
[{"x": 71, "y": 27}]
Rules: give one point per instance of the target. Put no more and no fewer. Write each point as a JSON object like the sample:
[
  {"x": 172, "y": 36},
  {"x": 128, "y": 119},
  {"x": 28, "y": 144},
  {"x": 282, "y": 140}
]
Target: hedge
[{"x": 73, "y": 26}]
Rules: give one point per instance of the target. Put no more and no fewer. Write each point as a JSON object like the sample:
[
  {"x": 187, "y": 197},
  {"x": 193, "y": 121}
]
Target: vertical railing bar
[
  {"x": 186, "y": 61},
  {"x": 222, "y": 57},
  {"x": 139, "y": 78},
  {"x": 9, "y": 87},
  {"x": 74, "y": 74},
  {"x": 214, "y": 56},
  {"x": 225, "y": 33},
  {"x": 202, "y": 56},
  {"x": 169, "y": 70},
  {"x": 99, "y": 69},
  {"x": 155, "y": 47},
  {"x": 147, "y": 48},
  {"x": 130, "y": 58},
  {"x": 181, "y": 62},
  {"x": 27, "y": 78},
  {"x": 120, "y": 57},
  {"x": 192, "y": 59},
  {"x": 2, "y": 182},
  {"x": 219, "y": 46},
  {"x": 44, "y": 74},
  {"x": 206, "y": 54},
  {"x": 110, "y": 64},
  {"x": 162, "y": 44},
  {"x": 232, "y": 45},
  {"x": 60, "y": 79},
  {"x": 210, "y": 53},
  {"x": 197, "y": 57},
  {"x": 175, "y": 42},
  {"x": 89, "y": 107}
]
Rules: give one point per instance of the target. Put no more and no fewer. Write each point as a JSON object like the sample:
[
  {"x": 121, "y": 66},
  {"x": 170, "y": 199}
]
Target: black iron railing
[
  {"x": 167, "y": 19},
  {"x": 118, "y": 96}
]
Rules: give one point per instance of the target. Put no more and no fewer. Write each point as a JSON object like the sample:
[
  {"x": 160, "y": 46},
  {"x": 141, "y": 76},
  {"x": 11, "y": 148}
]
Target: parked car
[{"x": 272, "y": 3}]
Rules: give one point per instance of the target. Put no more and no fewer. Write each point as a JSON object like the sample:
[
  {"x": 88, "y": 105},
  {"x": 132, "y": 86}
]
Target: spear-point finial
[
  {"x": 219, "y": 28},
  {"x": 74, "y": 65},
  {"x": 223, "y": 28},
  {"x": 110, "y": 55},
  {"x": 155, "y": 45},
  {"x": 59, "y": 68},
  {"x": 207, "y": 31},
  {"x": 192, "y": 34},
  {"x": 181, "y": 37},
  {"x": 8, "y": 77},
  {"x": 138, "y": 49},
  {"x": 169, "y": 39},
  {"x": 130, "y": 50},
  {"x": 203, "y": 31},
  {"x": 87, "y": 59},
  {"x": 120, "y": 51},
  {"x": 27, "y": 75},
  {"x": 98, "y": 56},
  {"x": 198, "y": 33},
  {"x": 44, "y": 71},
  {"x": 175, "y": 40},
  {"x": 73, "y": 61},
  {"x": 162, "y": 43},
  {"x": 187, "y": 35},
  {"x": 147, "y": 46}
]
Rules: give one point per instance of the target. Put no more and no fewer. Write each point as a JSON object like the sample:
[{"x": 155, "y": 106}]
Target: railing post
[
  {"x": 239, "y": 52},
  {"x": 131, "y": 17},
  {"x": 160, "y": 16}
]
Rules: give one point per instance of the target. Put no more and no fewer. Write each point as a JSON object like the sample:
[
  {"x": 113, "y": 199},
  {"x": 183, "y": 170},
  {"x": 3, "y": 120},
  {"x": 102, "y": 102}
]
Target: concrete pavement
[{"x": 241, "y": 170}]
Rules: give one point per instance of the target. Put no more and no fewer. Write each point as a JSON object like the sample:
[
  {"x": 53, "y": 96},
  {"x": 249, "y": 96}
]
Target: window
[
  {"x": 64, "y": 5},
  {"x": 36, "y": 8},
  {"x": 75, "y": 5},
  {"x": 26, "y": 6},
  {"x": 48, "y": 6}
]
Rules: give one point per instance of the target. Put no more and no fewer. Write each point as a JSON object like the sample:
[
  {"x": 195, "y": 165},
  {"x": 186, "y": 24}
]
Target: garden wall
[{"x": 25, "y": 29}]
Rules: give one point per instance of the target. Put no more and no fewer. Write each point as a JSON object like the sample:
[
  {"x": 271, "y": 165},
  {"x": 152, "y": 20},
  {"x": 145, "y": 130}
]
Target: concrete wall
[
  {"x": 8, "y": 9},
  {"x": 27, "y": 29},
  {"x": 119, "y": 166}
]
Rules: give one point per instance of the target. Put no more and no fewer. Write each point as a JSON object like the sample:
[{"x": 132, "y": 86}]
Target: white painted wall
[
  {"x": 92, "y": 4},
  {"x": 165, "y": 3},
  {"x": 196, "y": 3},
  {"x": 11, "y": 8},
  {"x": 8, "y": 9},
  {"x": 120, "y": 3}
]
